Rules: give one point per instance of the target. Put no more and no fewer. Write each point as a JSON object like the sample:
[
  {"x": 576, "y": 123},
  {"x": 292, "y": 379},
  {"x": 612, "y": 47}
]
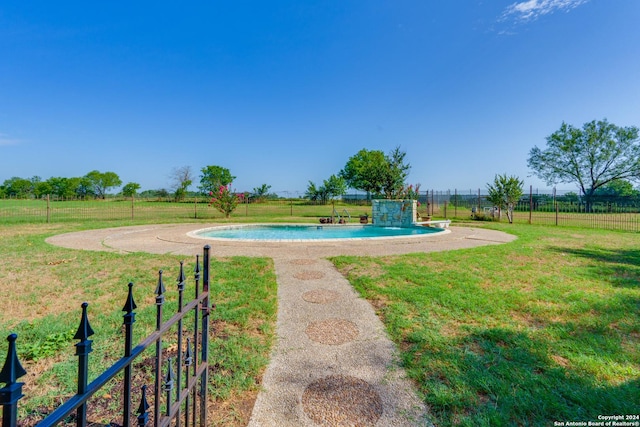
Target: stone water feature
[{"x": 394, "y": 213}]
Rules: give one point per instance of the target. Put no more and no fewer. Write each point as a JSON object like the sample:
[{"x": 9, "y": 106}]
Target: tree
[
  {"x": 570, "y": 197},
  {"x": 41, "y": 189},
  {"x": 63, "y": 187},
  {"x": 101, "y": 182},
  {"x": 331, "y": 188},
  {"x": 213, "y": 177},
  {"x": 591, "y": 157},
  {"x": 261, "y": 193},
  {"x": 377, "y": 173},
  {"x": 130, "y": 189},
  {"x": 224, "y": 200},
  {"x": 17, "y": 187},
  {"x": 334, "y": 187},
  {"x": 505, "y": 193},
  {"x": 181, "y": 179},
  {"x": 160, "y": 193},
  {"x": 617, "y": 188},
  {"x": 313, "y": 192},
  {"x": 396, "y": 173},
  {"x": 365, "y": 171},
  {"x": 83, "y": 187}
]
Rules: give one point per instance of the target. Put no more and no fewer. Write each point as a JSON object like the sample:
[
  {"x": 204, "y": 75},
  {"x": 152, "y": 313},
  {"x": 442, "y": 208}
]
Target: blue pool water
[{"x": 310, "y": 232}]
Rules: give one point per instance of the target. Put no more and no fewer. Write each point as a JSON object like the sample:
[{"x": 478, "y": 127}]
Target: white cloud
[{"x": 531, "y": 10}]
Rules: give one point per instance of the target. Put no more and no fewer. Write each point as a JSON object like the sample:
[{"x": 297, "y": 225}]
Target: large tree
[
  {"x": 214, "y": 177},
  {"x": 101, "y": 182},
  {"x": 365, "y": 171},
  {"x": 593, "y": 156},
  {"x": 376, "y": 173}
]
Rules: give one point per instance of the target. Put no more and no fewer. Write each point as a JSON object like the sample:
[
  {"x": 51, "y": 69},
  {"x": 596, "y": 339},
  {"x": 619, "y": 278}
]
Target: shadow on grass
[
  {"x": 620, "y": 267},
  {"x": 500, "y": 376}
]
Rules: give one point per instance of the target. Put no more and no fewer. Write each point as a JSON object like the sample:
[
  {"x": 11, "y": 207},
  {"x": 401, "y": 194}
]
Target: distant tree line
[
  {"x": 94, "y": 184},
  {"x": 600, "y": 158}
]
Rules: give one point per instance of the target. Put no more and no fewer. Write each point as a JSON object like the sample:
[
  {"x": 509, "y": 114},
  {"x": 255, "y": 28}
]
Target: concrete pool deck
[
  {"x": 332, "y": 363},
  {"x": 174, "y": 239}
]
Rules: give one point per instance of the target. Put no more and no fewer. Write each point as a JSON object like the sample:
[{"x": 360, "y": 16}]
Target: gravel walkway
[{"x": 333, "y": 364}]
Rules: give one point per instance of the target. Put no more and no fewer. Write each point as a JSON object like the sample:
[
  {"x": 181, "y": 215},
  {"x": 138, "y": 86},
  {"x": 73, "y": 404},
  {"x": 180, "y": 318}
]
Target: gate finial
[
  {"x": 143, "y": 416},
  {"x": 130, "y": 304},
  {"x": 12, "y": 369},
  {"x": 84, "y": 329}
]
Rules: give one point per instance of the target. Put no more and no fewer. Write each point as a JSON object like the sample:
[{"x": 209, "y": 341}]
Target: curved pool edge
[{"x": 194, "y": 234}]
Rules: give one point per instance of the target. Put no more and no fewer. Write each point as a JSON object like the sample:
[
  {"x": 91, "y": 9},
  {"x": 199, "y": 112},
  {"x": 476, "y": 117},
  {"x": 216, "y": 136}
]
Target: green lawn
[
  {"x": 543, "y": 329},
  {"x": 142, "y": 210},
  {"x": 42, "y": 288}
]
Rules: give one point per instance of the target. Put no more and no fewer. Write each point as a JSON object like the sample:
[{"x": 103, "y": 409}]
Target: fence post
[
  {"x": 196, "y": 324},
  {"x": 159, "y": 303},
  {"x": 129, "y": 320},
  {"x": 530, "y": 202},
  {"x": 48, "y": 209},
  {"x": 432, "y": 204},
  {"x": 181, "y": 283},
  {"x": 205, "y": 338},
  {"x": 555, "y": 204},
  {"x": 12, "y": 391},
  {"x": 83, "y": 348},
  {"x": 455, "y": 203},
  {"x": 132, "y": 205}
]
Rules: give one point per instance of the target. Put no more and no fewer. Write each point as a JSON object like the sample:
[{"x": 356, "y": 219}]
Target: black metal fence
[
  {"x": 550, "y": 207},
  {"x": 546, "y": 206},
  {"x": 180, "y": 382}
]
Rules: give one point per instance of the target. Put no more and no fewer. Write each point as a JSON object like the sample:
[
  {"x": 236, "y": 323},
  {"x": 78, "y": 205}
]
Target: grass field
[
  {"x": 42, "y": 288},
  {"x": 543, "y": 329},
  {"x": 39, "y": 211}
]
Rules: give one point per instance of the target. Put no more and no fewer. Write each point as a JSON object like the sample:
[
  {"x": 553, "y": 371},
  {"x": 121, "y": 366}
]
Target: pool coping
[{"x": 195, "y": 235}]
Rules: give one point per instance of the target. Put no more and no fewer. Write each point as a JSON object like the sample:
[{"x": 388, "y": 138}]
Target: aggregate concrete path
[{"x": 333, "y": 363}]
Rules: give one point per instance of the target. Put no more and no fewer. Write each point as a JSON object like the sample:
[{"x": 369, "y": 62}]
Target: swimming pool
[{"x": 297, "y": 233}]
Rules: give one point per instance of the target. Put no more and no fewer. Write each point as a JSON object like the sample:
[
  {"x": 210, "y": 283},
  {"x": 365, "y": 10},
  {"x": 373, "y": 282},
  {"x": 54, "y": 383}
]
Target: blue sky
[{"x": 285, "y": 92}]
